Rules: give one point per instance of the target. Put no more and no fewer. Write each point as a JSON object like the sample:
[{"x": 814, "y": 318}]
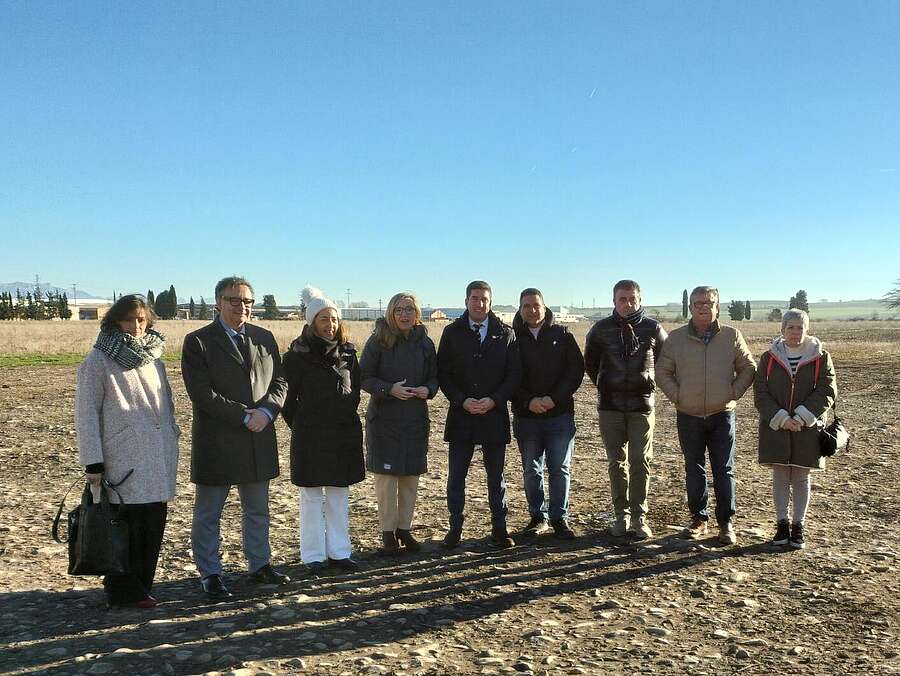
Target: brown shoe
[
  {"x": 696, "y": 529},
  {"x": 389, "y": 543},
  {"x": 408, "y": 541},
  {"x": 501, "y": 539},
  {"x": 726, "y": 533}
]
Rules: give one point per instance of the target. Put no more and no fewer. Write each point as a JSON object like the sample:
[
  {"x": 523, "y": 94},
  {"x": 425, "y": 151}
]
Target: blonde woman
[{"x": 399, "y": 370}]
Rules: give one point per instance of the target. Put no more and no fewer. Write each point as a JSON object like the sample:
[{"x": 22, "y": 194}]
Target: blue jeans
[
  {"x": 696, "y": 435},
  {"x": 552, "y": 439},
  {"x": 460, "y": 458}
]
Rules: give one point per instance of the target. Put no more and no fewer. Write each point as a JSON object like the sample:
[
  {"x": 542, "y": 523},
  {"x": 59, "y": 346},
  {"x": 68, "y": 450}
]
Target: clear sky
[{"x": 380, "y": 146}]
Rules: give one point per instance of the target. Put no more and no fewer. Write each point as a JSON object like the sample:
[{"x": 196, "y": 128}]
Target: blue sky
[{"x": 419, "y": 145}]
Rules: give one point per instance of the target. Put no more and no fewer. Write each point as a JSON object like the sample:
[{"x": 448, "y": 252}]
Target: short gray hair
[
  {"x": 795, "y": 313},
  {"x": 228, "y": 282},
  {"x": 710, "y": 290}
]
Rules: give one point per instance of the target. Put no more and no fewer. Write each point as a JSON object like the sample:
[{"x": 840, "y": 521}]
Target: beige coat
[
  {"x": 125, "y": 418},
  {"x": 700, "y": 379}
]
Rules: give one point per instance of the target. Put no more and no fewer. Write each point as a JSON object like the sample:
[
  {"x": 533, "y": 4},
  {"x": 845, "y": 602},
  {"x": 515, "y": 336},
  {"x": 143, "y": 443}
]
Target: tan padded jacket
[{"x": 705, "y": 379}]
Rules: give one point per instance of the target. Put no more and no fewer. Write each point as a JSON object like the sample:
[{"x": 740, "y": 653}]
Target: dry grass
[{"x": 24, "y": 339}]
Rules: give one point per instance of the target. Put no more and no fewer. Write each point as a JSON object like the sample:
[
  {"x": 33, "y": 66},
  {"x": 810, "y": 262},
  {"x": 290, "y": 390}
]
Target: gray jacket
[
  {"x": 125, "y": 418},
  {"x": 397, "y": 430}
]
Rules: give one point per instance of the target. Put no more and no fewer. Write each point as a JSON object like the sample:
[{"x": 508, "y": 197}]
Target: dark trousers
[
  {"x": 716, "y": 434},
  {"x": 146, "y": 524},
  {"x": 460, "y": 458}
]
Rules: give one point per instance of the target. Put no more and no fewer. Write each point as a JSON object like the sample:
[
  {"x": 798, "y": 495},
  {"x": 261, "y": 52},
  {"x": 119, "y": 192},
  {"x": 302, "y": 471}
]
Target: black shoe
[
  {"x": 561, "y": 530},
  {"x": 389, "y": 546},
  {"x": 537, "y": 526},
  {"x": 782, "y": 533},
  {"x": 344, "y": 564},
  {"x": 314, "y": 568},
  {"x": 214, "y": 587},
  {"x": 797, "y": 541},
  {"x": 268, "y": 575},
  {"x": 453, "y": 536},
  {"x": 501, "y": 539},
  {"x": 408, "y": 541}
]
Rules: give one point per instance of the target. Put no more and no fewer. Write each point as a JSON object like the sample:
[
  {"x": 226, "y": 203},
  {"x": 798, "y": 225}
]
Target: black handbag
[
  {"x": 97, "y": 534},
  {"x": 834, "y": 437}
]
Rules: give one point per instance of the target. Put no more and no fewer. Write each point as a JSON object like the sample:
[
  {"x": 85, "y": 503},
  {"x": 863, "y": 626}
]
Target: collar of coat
[
  {"x": 812, "y": 350},
  {"x": 495, "y": 328},
  {"x": 714, "y": 328},
  {"x": 521, "y": 328}
]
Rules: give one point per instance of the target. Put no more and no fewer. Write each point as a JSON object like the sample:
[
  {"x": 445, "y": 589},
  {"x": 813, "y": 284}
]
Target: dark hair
[
  {"x": 530, "y": 291},
  {"x": 478, "y": 284},
  {"x": 625, "y": 284},
  {"x": 122, "y": 308},
  {"x": 228, "y": 282}
]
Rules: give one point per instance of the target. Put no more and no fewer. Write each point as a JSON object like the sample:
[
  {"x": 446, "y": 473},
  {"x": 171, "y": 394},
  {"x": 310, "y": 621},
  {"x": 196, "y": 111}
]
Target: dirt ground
[{"x": 593, "y": 605}]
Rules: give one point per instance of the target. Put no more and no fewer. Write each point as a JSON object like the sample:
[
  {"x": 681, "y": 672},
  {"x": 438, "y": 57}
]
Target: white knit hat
[{"x": 315, "y": 301}]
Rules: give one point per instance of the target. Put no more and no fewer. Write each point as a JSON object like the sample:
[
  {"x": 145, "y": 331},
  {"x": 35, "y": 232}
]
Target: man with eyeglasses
[
  {"x": 703, "y": 369},
  {"x": 232, "y": 372},
  {"x": 478, "y": 372}
]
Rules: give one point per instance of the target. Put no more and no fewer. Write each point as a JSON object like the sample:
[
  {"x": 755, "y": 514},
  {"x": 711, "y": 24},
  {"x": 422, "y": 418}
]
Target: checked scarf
[
  {"x": 629, "y": 342},
  {"x": 130, "y": 352}
]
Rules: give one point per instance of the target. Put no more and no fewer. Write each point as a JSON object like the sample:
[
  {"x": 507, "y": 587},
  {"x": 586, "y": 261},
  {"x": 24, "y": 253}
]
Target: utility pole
[
  {"x": 348, "y": 298},
  {"x": 74, "y": 294},
  {"x": 379, "y": 307}
]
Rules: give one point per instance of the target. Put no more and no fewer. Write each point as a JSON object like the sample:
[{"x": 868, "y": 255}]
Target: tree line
[{"x": 36, "y": 305}]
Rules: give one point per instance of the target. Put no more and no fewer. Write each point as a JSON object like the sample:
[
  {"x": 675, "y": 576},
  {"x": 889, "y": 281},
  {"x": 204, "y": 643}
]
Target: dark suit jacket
[
  {"x": 469, "y": 369},
  {"x": 221, "y": 386}
]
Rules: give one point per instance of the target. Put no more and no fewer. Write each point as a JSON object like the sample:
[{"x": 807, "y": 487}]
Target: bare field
[{"x": 595, "y": 605}]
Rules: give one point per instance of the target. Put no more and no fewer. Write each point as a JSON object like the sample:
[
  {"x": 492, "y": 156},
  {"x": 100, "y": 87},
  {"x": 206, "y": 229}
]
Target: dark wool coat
[
  {"x": 623, "y": 383},
  {"x": 221, "y": 386},
  {"x": 397, "y": 430},
  {"x": 777, "y": 395},
  {"x": 552, "y": 366},
  {"x": 321, "y": 410},
  {"x": 467, "y": 368}
]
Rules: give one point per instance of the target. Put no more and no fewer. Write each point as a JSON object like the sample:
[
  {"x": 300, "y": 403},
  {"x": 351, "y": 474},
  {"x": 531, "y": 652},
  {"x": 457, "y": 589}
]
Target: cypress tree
[
  {"x": 684, "y": 304},
  {"x": 747, "y": 309}
]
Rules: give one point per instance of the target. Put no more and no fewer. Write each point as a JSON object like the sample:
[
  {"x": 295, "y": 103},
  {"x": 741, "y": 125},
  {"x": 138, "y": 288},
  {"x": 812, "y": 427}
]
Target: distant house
[
  {"x": 436, "y": 316},
  {"x": 354, "y": 314},
  {"x": 89, "y": 308}
]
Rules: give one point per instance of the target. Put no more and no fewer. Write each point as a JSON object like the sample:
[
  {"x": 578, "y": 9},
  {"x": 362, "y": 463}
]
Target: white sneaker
[
  {"x": 619, "y": 527},
  {"x": 641, "y": 528}
]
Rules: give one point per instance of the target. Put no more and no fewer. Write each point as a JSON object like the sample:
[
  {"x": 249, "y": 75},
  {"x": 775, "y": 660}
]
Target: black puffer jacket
[
  {"x": 552, "y": 366},
  {"x": 623, "y": 384},
  {"x": 396, "y": 429},
  {"x": 321, "y": 410},
  {"x": 467, "y": 368}
]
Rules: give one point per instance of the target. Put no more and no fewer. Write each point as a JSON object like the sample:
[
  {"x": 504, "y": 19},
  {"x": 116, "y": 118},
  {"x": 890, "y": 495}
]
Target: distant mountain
[{"x": 25, "y": 287}]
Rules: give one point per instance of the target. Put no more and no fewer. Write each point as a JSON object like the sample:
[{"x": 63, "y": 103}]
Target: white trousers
[{"x": 324, "y": 523}]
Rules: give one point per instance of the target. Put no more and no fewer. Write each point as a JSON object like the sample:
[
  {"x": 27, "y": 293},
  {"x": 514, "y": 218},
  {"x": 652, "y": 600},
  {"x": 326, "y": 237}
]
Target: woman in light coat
[
  {"x": 399, "y": 370},
  {"x": 322, "y": 373},
  {"x": 793, "y": 391},
  {"x": 127, "y": 436}
]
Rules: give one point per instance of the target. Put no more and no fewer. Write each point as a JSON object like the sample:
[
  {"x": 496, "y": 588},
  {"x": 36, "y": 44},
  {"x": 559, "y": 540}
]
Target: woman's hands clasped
[{"x": 403, "y": 393}]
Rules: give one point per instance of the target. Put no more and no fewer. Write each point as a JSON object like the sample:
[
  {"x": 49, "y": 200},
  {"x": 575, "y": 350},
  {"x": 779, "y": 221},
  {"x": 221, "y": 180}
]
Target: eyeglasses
[
  {"x": 404, "y": 310},
  {"x": 705, "y": 303},
  {"x": 237, "y": 301}
]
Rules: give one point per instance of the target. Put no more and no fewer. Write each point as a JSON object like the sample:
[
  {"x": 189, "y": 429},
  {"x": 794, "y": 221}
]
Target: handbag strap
[
  {"x": 103, "y": 484},
  {"x": 55, "y": 531}
]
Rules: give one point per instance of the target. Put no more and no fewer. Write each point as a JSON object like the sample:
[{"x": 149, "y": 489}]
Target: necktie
[
  {"x": 476, "y": 329},
  {"x": 241, "y": 341}
]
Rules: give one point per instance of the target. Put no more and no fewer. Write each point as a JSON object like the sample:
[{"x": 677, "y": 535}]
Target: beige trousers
[
  {"x": 396, "y": 500},
  {"x": 628, "y": 438}
]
